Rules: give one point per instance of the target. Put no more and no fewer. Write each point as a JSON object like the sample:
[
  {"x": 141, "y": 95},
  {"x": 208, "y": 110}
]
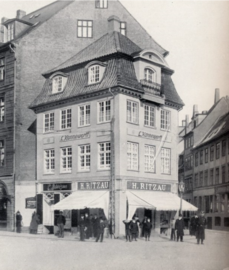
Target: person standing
[
  {"x": 134, "y": 228},
  {"x": 127, "y": 230},
  {"x": 82, "y": 228},
  {"x": 143, "y": 226},
  {"x": 95, "y": 225},
  {"x": 193, "y": 224},
  {"x": 88, "y": 226},
  {"x": 34, "y": 223},
  {"x": 179, "y": 227},
  {"x": 172, "y": 226},
  {"x": 100, "y": 230},
  {"x": 200, "y": 228},
  {"x": 147, "y": 226},
  {"x": 18, "y": 221},
  {"x": 60, "y": 223}
]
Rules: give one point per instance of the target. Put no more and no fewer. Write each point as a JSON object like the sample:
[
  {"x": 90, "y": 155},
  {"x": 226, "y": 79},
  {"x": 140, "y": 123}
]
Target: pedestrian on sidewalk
[
  {"x": 200, "y": 228},
  {"x": 147, "y": 229},
  {"x": 193, "y": 225},
  {"x": 142, "y": 225},
  {"x": 134, "y": 228},
  {"x": 100, "y": 230},
  {"x": 179, "y": 227},
  {"x": 95, "y": 223},
  {"x": 34, "y": 223},
  {"x": 172, "y": 226},
  {"x": 60, "y": 223},
  {"x": 127, "y": 230},
  {"x": 82, "y": 228},
  {"x": 18, "y": 221},
  {"x": 88, "y": 226}
]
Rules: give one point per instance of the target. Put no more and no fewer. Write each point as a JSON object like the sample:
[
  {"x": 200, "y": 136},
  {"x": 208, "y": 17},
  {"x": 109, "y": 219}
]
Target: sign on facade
[
  {"x": 30, "y": 203},
  {"x": 97, "y": 185},
  {"x": 148, "y": 186},
  {"x": 59, "y": 186},
  {"x": 74, "y": 137}
]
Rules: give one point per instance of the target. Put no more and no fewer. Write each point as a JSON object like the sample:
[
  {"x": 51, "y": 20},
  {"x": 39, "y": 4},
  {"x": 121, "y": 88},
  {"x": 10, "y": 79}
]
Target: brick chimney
[
  {"x": 20, "y": 14},
  {"x": 216, "y": 95},
  {"x": 113, "y": 24},
  {"x": 195, "y": 110}
]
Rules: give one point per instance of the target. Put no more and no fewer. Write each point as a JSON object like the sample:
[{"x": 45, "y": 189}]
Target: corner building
[{"x": 107, "y": 124}]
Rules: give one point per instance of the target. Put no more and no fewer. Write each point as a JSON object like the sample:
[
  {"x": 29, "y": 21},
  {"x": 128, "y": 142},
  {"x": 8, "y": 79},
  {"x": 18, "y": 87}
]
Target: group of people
[
  {"x": 33, "y": 224},
  {"x": 197, "y": 228},
  {"x": 132, "y": 228}
]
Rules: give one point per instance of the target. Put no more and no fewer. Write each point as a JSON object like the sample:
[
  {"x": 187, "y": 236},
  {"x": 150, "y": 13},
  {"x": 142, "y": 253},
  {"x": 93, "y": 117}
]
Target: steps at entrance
[{"x": 40, "y": 229}]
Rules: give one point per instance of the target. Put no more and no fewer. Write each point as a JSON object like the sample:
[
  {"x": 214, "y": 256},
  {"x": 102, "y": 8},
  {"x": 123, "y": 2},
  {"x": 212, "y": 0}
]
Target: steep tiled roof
[
  {"x": 108, "y": 44},
  {"x": 170, "y": 91},
  {"x": 118, "y": 72}
]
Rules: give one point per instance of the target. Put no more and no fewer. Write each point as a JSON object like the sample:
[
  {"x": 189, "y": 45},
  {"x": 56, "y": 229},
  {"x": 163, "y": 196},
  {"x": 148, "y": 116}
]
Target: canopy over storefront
[
  {"x": 85, "y": 199},
  {"x": 155, "y": 200}
]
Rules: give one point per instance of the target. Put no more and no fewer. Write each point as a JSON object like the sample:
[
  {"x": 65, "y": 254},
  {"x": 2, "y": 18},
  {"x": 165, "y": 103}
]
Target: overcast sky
[{"x": 196, "y": 34}]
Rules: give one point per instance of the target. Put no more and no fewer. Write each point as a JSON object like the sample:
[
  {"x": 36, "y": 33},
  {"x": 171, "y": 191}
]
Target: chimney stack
[
  {"x": 216, "y": 95},
  {"x": 20, "y": 14},
  {"x": 186, "y": 119},
  {"x": 4, "y": 19},
  {"x": 183, "y": 123},
  {"x": 113, "y": 24},
  {"x": 195, "y": 110}
]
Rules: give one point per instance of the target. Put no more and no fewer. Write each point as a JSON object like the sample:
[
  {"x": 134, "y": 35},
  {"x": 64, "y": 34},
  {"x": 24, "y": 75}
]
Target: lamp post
[{"x": 181, "y": 189}]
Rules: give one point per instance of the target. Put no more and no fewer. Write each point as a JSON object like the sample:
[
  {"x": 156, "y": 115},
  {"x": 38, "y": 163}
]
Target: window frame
[
  {"x": 64, "y": 126},
  {"x": 2, "y": 108},
  {"x": 123, "y": 30},
  {"x": 85, "y": 123},
  {"x": 68, "y": 158},
  {"x": 106, "y": 113},
  {"x": 201, "y": 156},
  {"x": 163, "y": 161},
  {"x": 51, "y": 161},
  {"x": 149, "y": 156},
  {"x": 10, "y": 31},
  {"x": 196, "y": 159},
  {"x": 85, "y": 155},
  {"x": 217, "y": 172},
  {"x": 51, "y": 128},
  {"x": 150, "y": 120},
  {"x": 83, "y": 26},
  {"x": 103, "y": 2},
  {"x": 217, "y": 150},
  {"x": 106, "y": 154},
  {"x": 224, "y": 147},
  {"x": 150, "y": 78},
  {"x": 2, "y": 69},
  {"x": 132, "y": 156},
  {"x": 206, "y": 155},
  {"x": 212, "y": 148},
  {"x": 2, "y": 148},
  {"x": 223, "y": 173},
  {"x": 130, "y": 116},
  {"x": 167, "y": 120}
]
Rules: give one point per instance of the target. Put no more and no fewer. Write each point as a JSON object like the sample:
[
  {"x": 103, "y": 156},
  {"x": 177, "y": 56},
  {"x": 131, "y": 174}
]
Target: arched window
[
  {"x": 149, "y": 75},
  {"x": 58, "y": 83},
  {"x": 95, "y": 73}
]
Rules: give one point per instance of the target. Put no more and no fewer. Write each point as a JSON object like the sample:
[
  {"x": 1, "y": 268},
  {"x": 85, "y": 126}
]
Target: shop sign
[
  {"x": 148, "y": 186},
  {"x": 149, "y": 136},
  {"x": 222, "y": 189},
  {"x": 97, "y": 185},
  {"x": 30, "y": 203},
  {"x": 66, "y": 138},
  {"x": 59, "y": 186}
]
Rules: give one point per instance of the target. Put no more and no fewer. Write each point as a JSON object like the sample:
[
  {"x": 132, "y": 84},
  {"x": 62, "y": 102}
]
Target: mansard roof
[{"x": 108, "y": 44}]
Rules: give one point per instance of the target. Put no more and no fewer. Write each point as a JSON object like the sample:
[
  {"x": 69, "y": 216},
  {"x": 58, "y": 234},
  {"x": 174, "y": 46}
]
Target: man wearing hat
[
  {"x": 200, "y": 228},
  {"x": 179, "y": 228},
  {"x": 60, "y": 223},
  {"x": 82, "y": 228}
]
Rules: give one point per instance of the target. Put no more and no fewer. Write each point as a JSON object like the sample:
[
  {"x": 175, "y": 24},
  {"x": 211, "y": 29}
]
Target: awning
[
  {"x": 155, "y": 200},
  {"x": 84, "y": 199}
]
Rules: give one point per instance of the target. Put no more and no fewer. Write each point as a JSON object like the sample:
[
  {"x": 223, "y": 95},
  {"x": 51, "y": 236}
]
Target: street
[{"x": 26, "y": 252}]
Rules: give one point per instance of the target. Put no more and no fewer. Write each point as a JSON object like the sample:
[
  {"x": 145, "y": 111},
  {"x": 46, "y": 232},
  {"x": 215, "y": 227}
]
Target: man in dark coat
[
  {"x": 200, "y": 228},
  {"x": 134, "y": 228},
  {"x": 60, "y": 223},
  {"x": 193, "y": 224},
  {"x": 88, "y": 226},
  {"x": 142, "y": 226},
  {"x": 95, "y": 225},
  {"x": 127, "y": 230},
  {"x": 100, "y": 230},
  {"x": 147, "y": 226},
  {"x": 179, "y": 228},
  {"x": 82, "y": 228},
  {"x": 18, "y": 221},
  {"x": 34, "y": 223}
]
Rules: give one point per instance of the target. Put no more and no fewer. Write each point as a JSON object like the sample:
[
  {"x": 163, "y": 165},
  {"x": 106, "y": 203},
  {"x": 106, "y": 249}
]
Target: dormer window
[
  {"x": 101, "y": 3},
  {"x": 123, "y": 28},
  {"x": 10, "y": 31},
  {"x": 149, "y": 75},
  {"x": 58, "y": 84},
  {"x": 95, "y": 73}
]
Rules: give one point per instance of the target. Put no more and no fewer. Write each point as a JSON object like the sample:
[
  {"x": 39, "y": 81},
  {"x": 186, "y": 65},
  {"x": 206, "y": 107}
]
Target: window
[
  {"x": 94, "y": 74},
  {"x": 2, "y": 108},
  {"x": 101, "y": 3},
  {"x": 66, "y": 159},
  {"x": 104, "y": 155},
  {"x": 132, "y": 156},
  {"x": 84, "y": 115},
  {"x": 84, "y": 157},
  {"x": 84, "y": 29},
  {"x": 10, "y": 32},
  {"x": 217, "y": 221},
  {"x": 196, "y": 158},
  {"x": 66, "y": 118},
  {"x": 192, "y": 140},
  {"x": 212, "y": 153},
  {"x": 104, "y": 111},
  {"x": 123, "y": 28},
  {"x": 223, "y": 174},
  {"x": 57, "y": 84},
  {"x": 150, "y": 158},
  {"x": 191, "y": 162},
  {"x": 196, "y": 180},
  {"x": 217, "y": 176},
  {"x": 132, "y": 112},
  {"x": 206, "y": 178},
  {"x": 49, "y": 161},
  {"x": 149, "y": 116},
  {"x": 224, "y": 148},
  {"x": 149, "y": 75},
  {"x": 201, "y": 157},
  {"x": 2, "y": 153},
  {"x": 165, "y": 119},
  {"x": 206, "y": 155},
  {"x": 2, "y": 69},
  {"x": 217, "y": 150},
  {"x": 201, "y": 179},
  {"x": 211, "y": 176},
  {"x": 165, "y": 160},
  {"x": 49, "y": 122}
]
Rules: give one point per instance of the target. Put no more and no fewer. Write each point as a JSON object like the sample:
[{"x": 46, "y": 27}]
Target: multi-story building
[
  {"x": 29, "y": 45},
  {"x": 107, "y": 119}
]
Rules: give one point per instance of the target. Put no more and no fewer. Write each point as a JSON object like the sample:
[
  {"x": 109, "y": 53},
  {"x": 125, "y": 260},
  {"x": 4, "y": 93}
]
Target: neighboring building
[
  {"x": 108, "y": 119},
  {"x": 211, "y": 175},
  {"x": 193, "y": 134},
  {"x": 29, "y": 45}
]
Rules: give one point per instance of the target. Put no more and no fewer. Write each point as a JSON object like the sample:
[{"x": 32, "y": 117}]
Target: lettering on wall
[
  {"x": 31, "y": 203},
  {"x": 149, "y": 136},
  {"x": 97, "y": 185},
  {"x": 148, "y": 186},
  {"x": 66, "y": 138},
  {"x": 59, "y": 186}
]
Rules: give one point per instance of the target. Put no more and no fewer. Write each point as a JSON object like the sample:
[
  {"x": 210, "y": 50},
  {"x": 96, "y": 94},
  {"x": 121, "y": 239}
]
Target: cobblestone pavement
[{"x": 46, "y": 252}]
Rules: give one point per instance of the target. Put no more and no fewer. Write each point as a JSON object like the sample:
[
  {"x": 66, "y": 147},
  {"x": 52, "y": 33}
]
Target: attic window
[
  {"x": 123, "y": 28},
  {"x": 149, "y": 75},
  {"x": 58, "y": 84},
  {"x": 10, "y": 31},
  {"x": 95, "y": 74},
  {"x": 101, "y": 3}
]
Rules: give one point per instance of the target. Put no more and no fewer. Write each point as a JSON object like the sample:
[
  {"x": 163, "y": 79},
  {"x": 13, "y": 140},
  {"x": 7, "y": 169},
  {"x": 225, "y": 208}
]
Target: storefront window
[{"x": 217, "y": 221}]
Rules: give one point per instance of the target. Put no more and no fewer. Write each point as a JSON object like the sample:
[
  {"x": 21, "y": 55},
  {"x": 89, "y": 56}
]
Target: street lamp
[{"x": 181, "y": 189}]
